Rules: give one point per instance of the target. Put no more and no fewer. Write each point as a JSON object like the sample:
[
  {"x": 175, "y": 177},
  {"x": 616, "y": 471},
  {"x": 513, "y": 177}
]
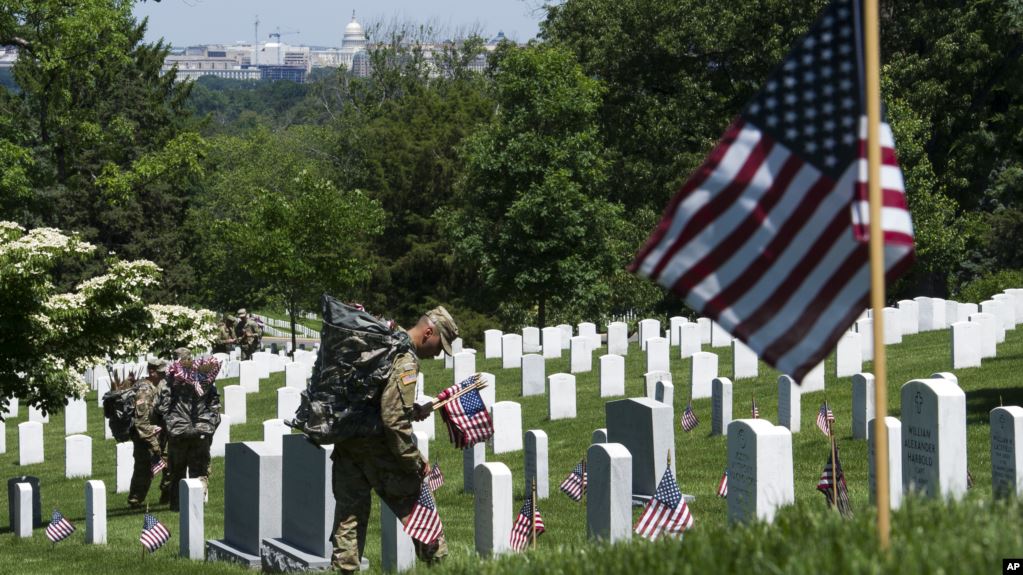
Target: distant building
[{"x": 353, "y": 43}]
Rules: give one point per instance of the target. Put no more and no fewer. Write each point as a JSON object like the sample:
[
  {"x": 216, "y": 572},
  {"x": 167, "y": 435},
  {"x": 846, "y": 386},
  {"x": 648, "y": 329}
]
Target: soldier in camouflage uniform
[
  {"x": 225, "y": 335},
  {"x": 390, "y": 465},
  {"x": 247, "y": 334},
  {"x": 146, "y": 435}
]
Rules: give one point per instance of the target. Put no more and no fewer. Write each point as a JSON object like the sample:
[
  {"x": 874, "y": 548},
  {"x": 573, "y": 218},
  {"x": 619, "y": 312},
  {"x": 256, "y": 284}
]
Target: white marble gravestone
[
  {"x": 288, "y": 401},
  {"x": 561, "y": 399},
  {"x": 849, "y": 355},
  {"x": 745, "y": 364},
  {"x": 76, "y": 416},
  {"x": 966, "y": 343},
  {"x": 428, "y": 425},
  {"x": 618, "y": 338},
  {"x": 951, "y": 312},
  {"x": 910, "y": 316},
  {"x": 689, "y": 339},
  {"x": 996, "y": 309},
  {"x": 581, "y": 354},
  {"x": 1007, "y": 451},
  {"x": 646, "y": 428},
  {"x": 892, "y": 327},
  {"x": 22, "y": 525},
  {"x": 648, "y": 328},
  {"x": 566, "y": 334},
  {"x": 221, "y": 437},
  {"x": 191, "y": 519},
  {"x": 703, "y": 368},
  {"x": 988, "y": 330},
  {"x": 862, "y": 404},
  {"x": 789, "y": 403},
  {"x": 534, "y": 380},
  {"x": 814, "y": 379},
  {"x": 274, "y": 431},
  {"x": 295, "y": 375},
  {"x": 511, "y": 351},
  {"x": 612, "y": 375},
  {"x": 675, "y": 329},
  {"x": 530, "y": 340},
  {"x": 759, "y": 470},
  {"x": 865, "y": 327},
  {"x": 650, "y": 380},
  {"x": 934, "y": 438},
  {"x": 589, "y": 331},
  {"x": 125, "y": 466},
  {"x": 932, "y": 313},
  {"x": 494, "y": 512},
  {"x": 235, "y": 404},
  {"x": 507, "y": 427},
  {"x": 657, "y": 354},
  {"x": 471, "y": 458},
  {"x": 492, "y": 343},
  {"x": 718, "y": 336},
  {"x": 78, "y": 456},
  {"x": 894, "y": 428},
  {"x": 397, "y": 551},
  {"x": 248, "y": 376},
  {"x": 30, "y": 443},
  {"x": 463, "y": 366},
  {"x": 489, "y": 393},
  {"x": 706, "y": 329},
  {"x": 609, "y": 492},
  {"x": 95, "y": 513},
  {"x": 721, "y": 405},
  {"x": 536, "y": 463},
  {"x": 551, "y": 342},
  {"x": 36, "y": 414}
]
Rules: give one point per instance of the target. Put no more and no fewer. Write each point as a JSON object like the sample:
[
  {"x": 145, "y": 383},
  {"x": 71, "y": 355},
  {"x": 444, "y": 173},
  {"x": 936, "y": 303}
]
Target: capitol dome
[{"x": 355, "y": 36}]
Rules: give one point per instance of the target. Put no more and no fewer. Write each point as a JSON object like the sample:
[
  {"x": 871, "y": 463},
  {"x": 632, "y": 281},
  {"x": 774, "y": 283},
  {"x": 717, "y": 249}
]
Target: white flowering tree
[{"x": 48, "y": 339}]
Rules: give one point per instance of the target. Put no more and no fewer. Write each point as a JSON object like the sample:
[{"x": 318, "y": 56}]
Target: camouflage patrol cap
[
  {"x": 157, "y": 365},
  {"x": 183, "y": 353},
  {"x": 242, "y": 312},
  {"x": 445, "y": 326}
]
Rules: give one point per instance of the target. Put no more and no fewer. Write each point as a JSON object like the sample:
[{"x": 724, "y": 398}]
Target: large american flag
[
  {"x": 424, "y": 523},
  {"x": 723, "y": 485},
  {"x": 59, "y": 528},
  {"x": 575, "y": 484},
  {"x": 435, "y": 479},
  {"x": 154, "y": 534},
  {"x": 825, "y": 419},
  {"x": 528, "y": 519},
  {"x": 467, "y": 418},
  {"x": 769, "y": 236},
  {"x": 666, "y": 512},
  {"x": 827, "y": 485},
  {"x": 689, "y": 420}
]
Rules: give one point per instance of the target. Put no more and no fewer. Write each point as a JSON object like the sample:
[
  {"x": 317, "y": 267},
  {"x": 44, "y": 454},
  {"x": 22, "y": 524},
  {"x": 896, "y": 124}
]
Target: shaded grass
[{"x": 804, "y": 532}]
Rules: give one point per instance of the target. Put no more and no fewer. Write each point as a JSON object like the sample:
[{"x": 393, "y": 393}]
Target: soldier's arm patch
[{"x": 409, "y": 374}]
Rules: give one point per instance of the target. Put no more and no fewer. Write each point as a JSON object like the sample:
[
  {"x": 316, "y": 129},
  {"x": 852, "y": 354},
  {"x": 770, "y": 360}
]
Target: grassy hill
[{"x": 969, "y": 537}]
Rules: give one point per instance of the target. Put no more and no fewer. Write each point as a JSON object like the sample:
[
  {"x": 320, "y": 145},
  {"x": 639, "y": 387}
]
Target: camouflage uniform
[
  {"x": 225, "y": 337},
  {"x": 248, "y": 335},
  {"x": 146, "y": 436},
  {"x": 392, "y": 466}
]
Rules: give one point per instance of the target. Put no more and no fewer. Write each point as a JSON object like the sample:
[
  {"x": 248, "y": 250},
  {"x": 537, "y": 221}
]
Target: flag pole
[
  {"x": 584, "y": 482},
  {"x": 872, "y": 53},
  {"x": 834, "y": 461},
  {"x": 532, "y": 519}
]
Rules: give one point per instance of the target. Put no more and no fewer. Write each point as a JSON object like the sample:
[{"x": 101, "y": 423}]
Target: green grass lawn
[{"x": 806, "y": 538}]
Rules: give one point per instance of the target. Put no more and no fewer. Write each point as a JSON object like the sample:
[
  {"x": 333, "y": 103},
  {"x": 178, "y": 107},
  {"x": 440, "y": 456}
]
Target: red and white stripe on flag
[{"x": 767, "y": 237}]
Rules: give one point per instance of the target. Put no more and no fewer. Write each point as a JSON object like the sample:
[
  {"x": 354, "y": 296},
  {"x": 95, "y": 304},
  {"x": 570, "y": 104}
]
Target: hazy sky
[{"x": 322, "y": 22}]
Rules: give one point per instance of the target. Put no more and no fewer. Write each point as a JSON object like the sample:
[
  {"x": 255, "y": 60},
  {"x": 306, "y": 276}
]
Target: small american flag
[
  {"x": 755, "y": 410},
  {"x": 154, "y": 534},
  {"x": 723, "y": 485},
  {"x": 827, "y": 486},
  {"x": 435, "y": 479},
  {"x": 689, "y": 420},
  {"x": 666, "y": 512},
  {"x": 59, "y": 528},
  {"x": 467, "y": 418},
  {"x": 769, "y": 236},
  {"x": 203, "y": 371},
  {"x": 575, "y": 484},
  {"x": 524, "y": 524},
  {"x": 825, "y": 419},
  {"x": 158, "y": 465},
  {"x": 424, "y": 523}
]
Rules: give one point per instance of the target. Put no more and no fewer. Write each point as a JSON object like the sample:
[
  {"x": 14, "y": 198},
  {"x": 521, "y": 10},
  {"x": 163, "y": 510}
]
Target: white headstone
[
  {"x": 618, "y": 338},
  {"x": 533, "y": 375},
  {"x": 932, "y": 313},
  {"x": 863, "y": 403},
  {"x": 910, "y": 316},
  {"x": 648, "y": 328},
  {"x": 718, "y": 336},
  {"x": 507, "y": 427},
  {"x": 788, "y": 403},
  {"x": 1007, "y": 451},
  {"x": 702, "y": 370},
  {"x": 581, "y": 354},
  {"x": 102, "y": 387},
  {"x": 252, "y": 502},
  {"x": 489, "y": 393},
  {"x": 612, "y": 375},
  {"x": 892, "y": 327},
  {"x": 759, "y": 470},
  {"x": 23, "y": 508},
  {"x": 996, "y": 309},
  {"x": 721, "y": 405},
  {"x": 12, "y": 408},
  {"x": 894, "y": 462},
  {"x": 657, "y": 354},
  {"x": 294, "y": 375},
  {"x": 609, "y": 492},
  {"x": 397, "y": 550},
  {"x": 427, "y": 426},
  {"x": 494, "y": 511},
  {"x": 562, "y": 399},
  {"x": 3, "y": 437},
  {"x": 471, "y": 458},
  {"x": 849, "y": 355},
  {"x": 646, "y": 428},
  {"x": 30, "y": 443},
  {"x": 78, "y": 456},
  {"x": 191, "y": 519},
  {"x": 76, "y": 418},
  {"x": 745, "y": 364},
  {"x": 492, "y": 343},
  {"x": 511, "y": 350},
  {"x": 951, "y": 312},
  {"x": 1017, "y": 298},
  {"x": 589, "y": 331},
  {"x": 288, "y": 401},
  {"x": 234, "y": 403},
  {"x": 650, "y": 382},
  {"x": 966, "y": 310},
  {"x": 934, "y": 438},
  {"x": 262, "y": 361},
  {"x": 530, "y": 340},
  {"x": 865, "y": 327},
  {"x": 248, "y": 376},
  {"x": 107, "y": 432},
  {"x": 664, "y": 392},
  {"x": 675, "y": 329},
  {"x": 36, "y": 414},
  {"x": 125, "y": 466},
  {"x": 814, "y": 379},
  {"x": 273, "y": 432},
  {"x": 1008, "y": 309},
  {"x": 706, "y": 329},
  {"x": 966, "y": 344},
  {"x": 689, "y": 339},
  {"x": 95, "y": 513},
  {"x": 988, "y": 334},
  {"x": 221, "y": 437},
  {"x": 566, "y": 334},
  {"x": 536, "y": 463}
]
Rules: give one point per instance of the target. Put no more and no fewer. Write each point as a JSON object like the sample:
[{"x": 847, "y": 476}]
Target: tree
[
  {"x": 530, "y": 215},
  {"x": 281, "y": 232},
  {"x": 51, "y": 337}
]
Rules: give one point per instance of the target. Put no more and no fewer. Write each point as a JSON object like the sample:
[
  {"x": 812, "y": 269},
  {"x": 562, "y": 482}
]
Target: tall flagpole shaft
[{"x": 872, "y": 54}]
